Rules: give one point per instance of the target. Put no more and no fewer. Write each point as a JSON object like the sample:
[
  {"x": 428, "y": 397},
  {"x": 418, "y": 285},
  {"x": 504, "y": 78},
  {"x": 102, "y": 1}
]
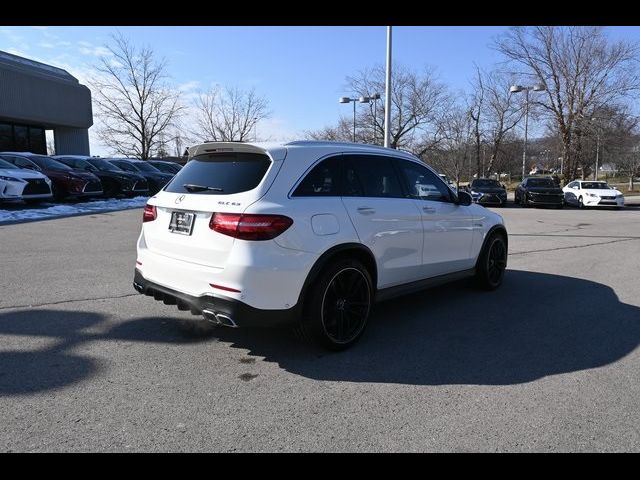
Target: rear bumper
[{"x": 229, "y": 311}]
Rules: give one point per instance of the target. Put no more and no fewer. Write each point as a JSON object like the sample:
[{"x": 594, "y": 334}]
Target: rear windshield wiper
[{"x": 200, "y": 188}]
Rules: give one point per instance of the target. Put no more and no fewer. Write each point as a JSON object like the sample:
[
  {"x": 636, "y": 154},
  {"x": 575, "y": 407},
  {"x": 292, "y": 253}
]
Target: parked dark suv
[
  {"x": 154, "y": 177},
  {"x": 115, "y": 181},
  {"x": 487, "y": 191},
  {"x": 539, "y": 191}
]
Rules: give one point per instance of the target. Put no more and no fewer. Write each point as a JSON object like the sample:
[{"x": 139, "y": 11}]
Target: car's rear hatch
[{"x": 221, "y": 177}]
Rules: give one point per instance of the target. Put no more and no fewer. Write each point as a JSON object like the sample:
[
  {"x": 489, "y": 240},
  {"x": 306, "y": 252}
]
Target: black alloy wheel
[
  {"x": 345, "y": 305},
  {"x": 492, "y": 263},
  {"x": 338, "y": 305}
]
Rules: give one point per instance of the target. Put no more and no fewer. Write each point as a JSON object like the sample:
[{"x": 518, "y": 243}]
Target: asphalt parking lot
[{"x": 549, "y": 362}]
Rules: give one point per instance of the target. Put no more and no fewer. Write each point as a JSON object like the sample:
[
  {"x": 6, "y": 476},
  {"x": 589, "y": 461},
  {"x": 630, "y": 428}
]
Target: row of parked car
[
  {"x": 546, "y": 191},
  {"x": 35, "y": 178}
]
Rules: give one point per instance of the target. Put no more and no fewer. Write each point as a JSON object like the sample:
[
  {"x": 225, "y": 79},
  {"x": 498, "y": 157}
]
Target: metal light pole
[
  {"x": 375, "y": 97},
  {"x": 387, "y": 93},
  {"x": 595, "y": 174},
  {"x": 597, "y": 153},
  {"x": 519, "y": 88},
  {"x": 354, "y": 100}
]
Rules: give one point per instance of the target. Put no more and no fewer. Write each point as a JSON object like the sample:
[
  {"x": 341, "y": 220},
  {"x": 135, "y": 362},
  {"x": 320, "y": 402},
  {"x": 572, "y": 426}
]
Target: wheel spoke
[
  {"x": 345, "y": 305},
  {"x": 496, "y": 262}
]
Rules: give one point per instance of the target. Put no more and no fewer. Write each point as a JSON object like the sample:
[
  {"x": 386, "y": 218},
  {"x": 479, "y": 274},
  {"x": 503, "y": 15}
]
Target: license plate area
[{"x": 182, "y": 222}]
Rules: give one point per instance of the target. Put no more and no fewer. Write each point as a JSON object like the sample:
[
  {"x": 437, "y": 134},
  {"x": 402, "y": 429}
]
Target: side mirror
[{"x": 464, "y": 199}]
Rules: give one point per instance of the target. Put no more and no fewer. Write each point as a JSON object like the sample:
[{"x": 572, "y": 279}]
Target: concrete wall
[
  {"x": 42, "y": 100},
  {"x": 71, "y": 141}
]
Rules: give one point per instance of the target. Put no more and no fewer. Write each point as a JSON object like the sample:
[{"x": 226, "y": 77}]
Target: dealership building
[{"x": 35, "y": 97}]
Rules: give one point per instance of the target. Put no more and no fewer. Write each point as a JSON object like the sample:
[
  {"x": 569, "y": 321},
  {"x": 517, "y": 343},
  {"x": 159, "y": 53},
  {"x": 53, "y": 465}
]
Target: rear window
[{"x": 220, "y": 173}]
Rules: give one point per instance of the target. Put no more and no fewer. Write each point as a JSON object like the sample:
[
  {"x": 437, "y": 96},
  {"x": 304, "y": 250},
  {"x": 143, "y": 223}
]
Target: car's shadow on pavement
[
  {"x": 54, "y": 365},
  {"x": 535, "y": 325}
]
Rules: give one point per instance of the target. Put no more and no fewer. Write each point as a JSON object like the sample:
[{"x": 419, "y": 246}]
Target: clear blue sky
[{"x": 301, "y": 70}]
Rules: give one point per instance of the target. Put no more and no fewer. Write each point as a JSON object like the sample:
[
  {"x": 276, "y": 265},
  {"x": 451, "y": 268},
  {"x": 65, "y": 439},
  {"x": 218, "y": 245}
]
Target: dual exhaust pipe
[{"x": 219, "y": 318}]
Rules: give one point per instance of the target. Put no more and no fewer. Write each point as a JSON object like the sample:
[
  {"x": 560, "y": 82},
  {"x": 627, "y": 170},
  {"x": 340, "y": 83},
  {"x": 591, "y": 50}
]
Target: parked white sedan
[
  {"x": 19, "y": 184},
  {"x": 584, "y": 193}
]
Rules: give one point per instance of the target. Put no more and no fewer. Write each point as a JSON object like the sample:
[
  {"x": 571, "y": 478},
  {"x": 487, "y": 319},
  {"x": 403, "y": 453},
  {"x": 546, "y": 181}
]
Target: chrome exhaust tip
[{"x": 219, "y": 318}]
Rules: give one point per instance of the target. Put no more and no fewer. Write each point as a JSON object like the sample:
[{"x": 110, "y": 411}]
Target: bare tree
[
  {"x": 229, "y": 114},
  {"x": 476, "y": 106},
  {"x": 135, "y": 102},
  {"x": 51, "y": 146},
  {"x": 453, "y": 154},
  {"x": 580, "y": 68},
  {"x": 419, "y": 102},
  {"x": 502, "y": 112},
  {"x": 339, "y": 133}
]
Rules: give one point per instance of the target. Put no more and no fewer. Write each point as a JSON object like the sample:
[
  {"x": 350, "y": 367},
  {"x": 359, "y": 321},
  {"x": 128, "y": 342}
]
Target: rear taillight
[
  {"x": 149, "y": 213},
  {"x": 249, "y": 227}
]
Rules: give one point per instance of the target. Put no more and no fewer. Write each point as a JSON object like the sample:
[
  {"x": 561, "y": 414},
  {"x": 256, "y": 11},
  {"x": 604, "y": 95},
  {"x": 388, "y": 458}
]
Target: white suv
[{"x": 309, "y": 233}]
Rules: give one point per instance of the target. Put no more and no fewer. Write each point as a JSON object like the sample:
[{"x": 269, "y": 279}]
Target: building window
[
  {"x": 6, "y": 137},
  {"x": 37, "y": 140},
  {"x": 22, "y": 138}
]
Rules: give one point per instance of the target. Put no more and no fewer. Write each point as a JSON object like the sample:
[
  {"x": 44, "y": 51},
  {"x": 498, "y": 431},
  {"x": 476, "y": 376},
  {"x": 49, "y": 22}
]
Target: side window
[
  {"x": 321, "y": 181},
  {"x": 22, "y": 163},
  {"x": 422, "y": 183},
  {"x": 370, "y": 176}
]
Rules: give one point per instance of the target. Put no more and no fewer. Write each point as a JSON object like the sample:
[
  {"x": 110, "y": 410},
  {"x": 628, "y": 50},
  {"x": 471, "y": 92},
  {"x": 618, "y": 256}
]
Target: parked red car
[{"x": 67, "y": 182}]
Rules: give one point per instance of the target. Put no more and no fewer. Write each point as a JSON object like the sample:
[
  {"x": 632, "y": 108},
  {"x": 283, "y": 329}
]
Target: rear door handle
[
  {"x": 428, "y": 210},
  {"x": 366, "y": 210}
]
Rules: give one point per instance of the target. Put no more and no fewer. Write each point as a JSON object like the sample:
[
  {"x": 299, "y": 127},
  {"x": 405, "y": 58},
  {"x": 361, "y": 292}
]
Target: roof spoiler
[{"x": 220, "y": 147}]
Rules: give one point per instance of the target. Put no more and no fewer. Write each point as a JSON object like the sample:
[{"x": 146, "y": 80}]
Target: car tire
[
  {"x": 111, "y": 190},
  {"x": 58, "y": 195},
  {"x": 580, "y": 203},
  {"x": 492, "y": 263},
  {"x": 338, "y": 306}
]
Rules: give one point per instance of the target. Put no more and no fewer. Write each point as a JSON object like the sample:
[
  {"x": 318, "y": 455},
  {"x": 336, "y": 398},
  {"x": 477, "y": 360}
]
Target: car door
[
  {"x": 387, "y": 222},
  {"x": 447, "y": 226}
]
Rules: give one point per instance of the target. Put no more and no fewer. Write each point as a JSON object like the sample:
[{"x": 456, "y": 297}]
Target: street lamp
[
  {"x": 375, "y": 97},
  {"x": 538, "y": 87},
  {"x": 354, "y": 100}
]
